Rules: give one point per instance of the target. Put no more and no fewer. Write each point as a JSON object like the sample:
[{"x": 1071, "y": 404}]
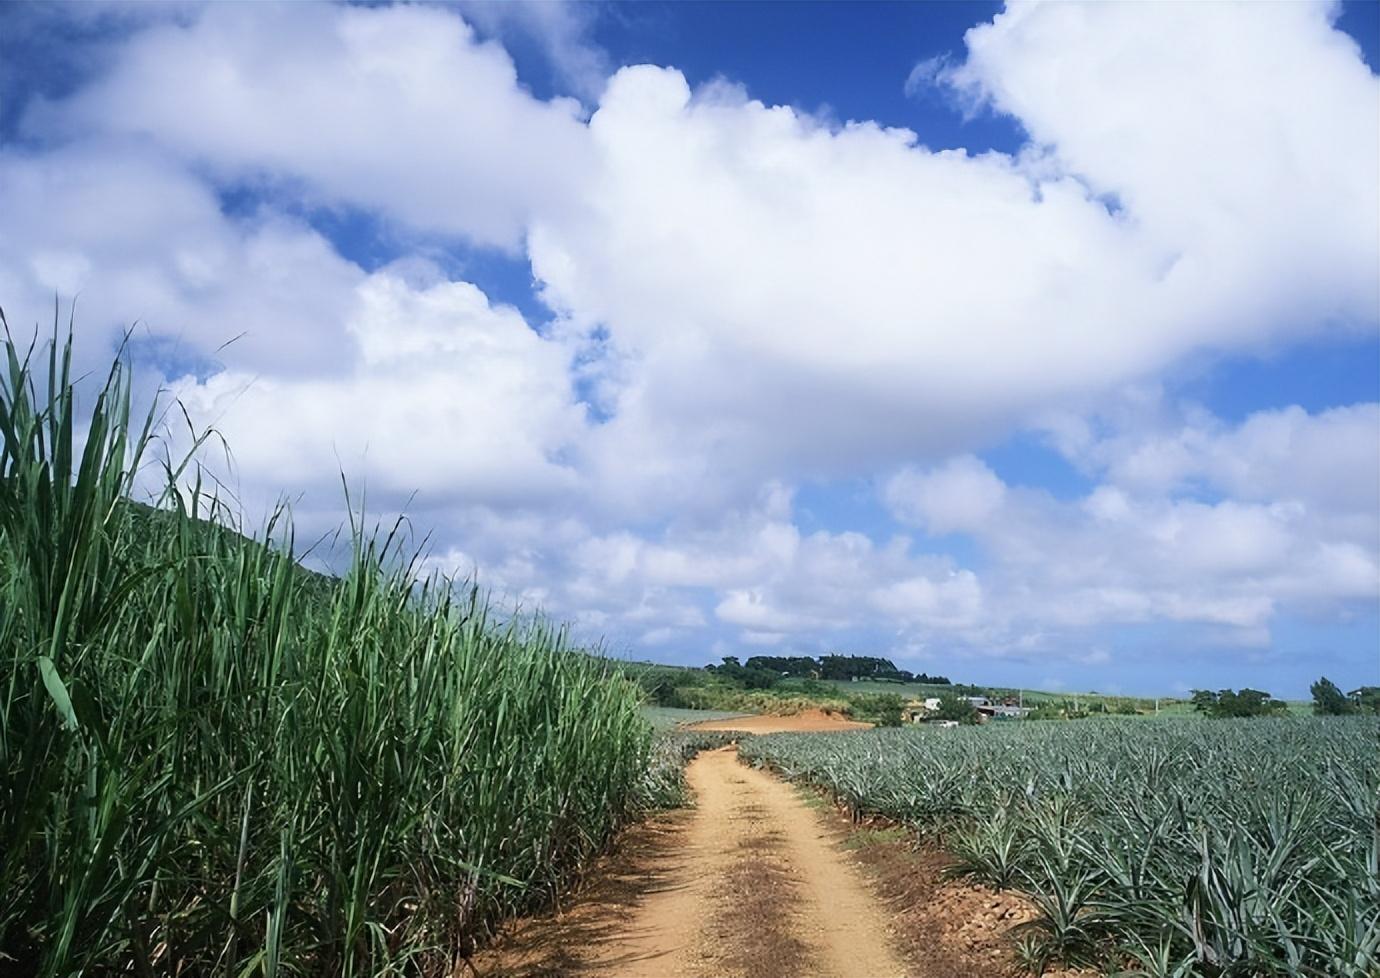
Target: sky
[{"x": 1033, "y": 346}]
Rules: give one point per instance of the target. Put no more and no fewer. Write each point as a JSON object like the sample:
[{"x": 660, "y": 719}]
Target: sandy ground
[
  {"x": 811, "y": 721},
  {"x": 750, "y": 883}
]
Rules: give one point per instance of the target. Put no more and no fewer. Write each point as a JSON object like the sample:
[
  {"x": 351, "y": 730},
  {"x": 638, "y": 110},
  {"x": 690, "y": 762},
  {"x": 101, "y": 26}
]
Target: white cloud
[
  {"x": 1143, "y": 549},
  {"x": 397, "y": 110},
  {"x": 561, "y": 29},
  {"x": 752, "y": 609},
  {"x": 446, "y": 394},
  {"x": 957, "y": 497},
  {"x": 928, "y": 74},
  {"x": 754, "y": 573},
  {"x": 139, "y": 239},
  {"x": 952, "y": 602},
  {"x": 1327, "y": 464},
  {"x": 761, "y": 638},
  {"x": 1237, "y": 136},
  {"x": 788, "y": 296}
]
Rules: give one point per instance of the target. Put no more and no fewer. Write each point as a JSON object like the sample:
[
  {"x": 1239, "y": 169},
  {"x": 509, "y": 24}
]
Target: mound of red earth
[{"x": 810, "y": 721}]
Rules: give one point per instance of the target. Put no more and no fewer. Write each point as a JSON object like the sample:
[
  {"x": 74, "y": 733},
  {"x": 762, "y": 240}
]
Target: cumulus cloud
[
  {"x": 1327, "y": 459},
  {"x": 755, "y": 573},
  {"x": 789, "y": 295},
  {"x": 960, "y": 495},
  {"x": 446, "y": 395},
  {"x": 763, "y": 294},
  {"x": 140, "y": 239},
  {"x": 1225, "y": 534},
  {"x": 1194, "y": 117},
  {"x": 399, "y": 110},
  {"x": 950, "y": 602}
]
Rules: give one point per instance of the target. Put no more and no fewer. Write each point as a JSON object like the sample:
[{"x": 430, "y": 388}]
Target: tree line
[
  {"x": 844, "y": 667},
  {"x": 1230, "y": 703},
  {"x": 1328, "y": 700}
]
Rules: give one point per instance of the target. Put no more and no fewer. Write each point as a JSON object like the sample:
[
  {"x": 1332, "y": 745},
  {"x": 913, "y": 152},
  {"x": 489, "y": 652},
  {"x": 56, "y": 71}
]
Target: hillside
[{"x": 744, "y": 688}]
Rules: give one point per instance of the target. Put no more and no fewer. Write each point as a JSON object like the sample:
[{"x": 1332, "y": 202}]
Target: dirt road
[{"x": 748, "y": 883}]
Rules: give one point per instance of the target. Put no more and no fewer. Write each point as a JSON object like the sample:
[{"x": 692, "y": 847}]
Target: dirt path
[{"x": 748, "y": 883}]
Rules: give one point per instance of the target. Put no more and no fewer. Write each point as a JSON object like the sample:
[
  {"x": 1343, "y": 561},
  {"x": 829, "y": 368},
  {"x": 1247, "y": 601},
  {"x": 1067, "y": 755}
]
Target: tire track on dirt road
[{"x": 748, "y": 883}]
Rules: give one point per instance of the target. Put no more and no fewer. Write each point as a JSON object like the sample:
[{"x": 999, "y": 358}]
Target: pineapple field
[{"x": 1161, "y": 848}]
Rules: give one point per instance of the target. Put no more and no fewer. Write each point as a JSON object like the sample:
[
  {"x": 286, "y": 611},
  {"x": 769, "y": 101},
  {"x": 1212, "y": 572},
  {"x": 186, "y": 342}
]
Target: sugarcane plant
[{"x": 214, "y": 761}]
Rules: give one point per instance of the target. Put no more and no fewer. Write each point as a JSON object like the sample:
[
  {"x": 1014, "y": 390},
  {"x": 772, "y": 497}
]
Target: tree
[
  {"x": 786, "y": 665},
  {"x": 742, "y": 676},
  {"x": 1328, "y": 700},
  {"x": 1204, "y": 700},
  {"x": 1231, "y": 703},
  {"x": 955, "y": 707},
  {"x": 883, "y": 709}
]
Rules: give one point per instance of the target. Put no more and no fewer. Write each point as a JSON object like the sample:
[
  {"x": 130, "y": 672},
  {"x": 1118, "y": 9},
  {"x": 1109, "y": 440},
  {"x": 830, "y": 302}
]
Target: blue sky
[{"x": 1033, "y": 347}]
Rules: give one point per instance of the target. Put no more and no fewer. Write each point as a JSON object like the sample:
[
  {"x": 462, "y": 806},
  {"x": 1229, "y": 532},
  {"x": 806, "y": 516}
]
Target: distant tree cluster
[
  {"x": 1227, "y": 703},
  {"x": 839, "y": 667},
  {"x": 1329, "y": 700},
  {"x": 747, "y": 676},
  {"x": 802, "y": 666}
]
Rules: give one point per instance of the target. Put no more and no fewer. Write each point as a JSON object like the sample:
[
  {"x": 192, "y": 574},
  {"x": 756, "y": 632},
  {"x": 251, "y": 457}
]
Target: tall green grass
[{"x": 215, "y": 763}]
